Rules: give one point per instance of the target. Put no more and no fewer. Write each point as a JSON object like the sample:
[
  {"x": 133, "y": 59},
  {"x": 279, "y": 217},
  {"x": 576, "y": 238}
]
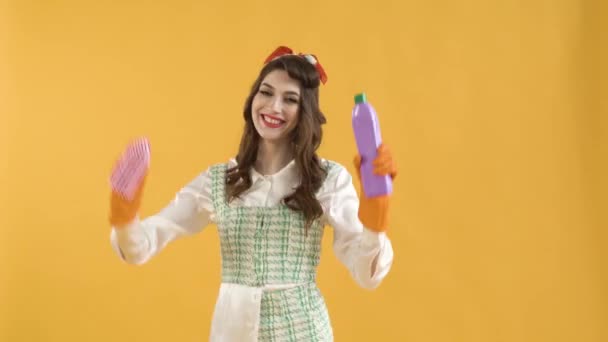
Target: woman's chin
[{"x": 273, "y": 138}]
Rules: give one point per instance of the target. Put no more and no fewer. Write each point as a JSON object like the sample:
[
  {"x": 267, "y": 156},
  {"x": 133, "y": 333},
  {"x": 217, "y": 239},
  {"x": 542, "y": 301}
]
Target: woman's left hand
[{"x": 374, "y": 211}]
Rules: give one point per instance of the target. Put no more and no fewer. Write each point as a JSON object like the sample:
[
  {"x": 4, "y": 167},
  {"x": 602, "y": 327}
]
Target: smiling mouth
[{"x": 272, "y": 121}]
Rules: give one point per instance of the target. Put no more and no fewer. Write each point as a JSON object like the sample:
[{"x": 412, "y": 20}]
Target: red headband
[{"x": 283, "y": 50}]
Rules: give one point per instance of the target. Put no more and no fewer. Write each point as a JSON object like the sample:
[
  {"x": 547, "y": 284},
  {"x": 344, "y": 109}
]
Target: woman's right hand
[
  {"x": 127, "y": 183},
  {"x": 122, "y": 210}
]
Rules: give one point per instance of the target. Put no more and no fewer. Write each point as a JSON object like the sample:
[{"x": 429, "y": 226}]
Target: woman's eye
[
  {"x": 265, "y": 93},
  {"x": 292, "y": 100}
]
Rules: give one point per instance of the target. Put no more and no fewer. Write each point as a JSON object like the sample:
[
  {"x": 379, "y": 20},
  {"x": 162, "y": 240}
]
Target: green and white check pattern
[{"x": 269, "y": 245}]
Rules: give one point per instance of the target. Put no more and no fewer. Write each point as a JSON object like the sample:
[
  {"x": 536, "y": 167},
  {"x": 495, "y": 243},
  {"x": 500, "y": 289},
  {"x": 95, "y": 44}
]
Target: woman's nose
[{"x": 276, "y": 104}]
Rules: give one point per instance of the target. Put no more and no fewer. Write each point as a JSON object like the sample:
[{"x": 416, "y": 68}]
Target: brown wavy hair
[{"x": 305, "y": 139}]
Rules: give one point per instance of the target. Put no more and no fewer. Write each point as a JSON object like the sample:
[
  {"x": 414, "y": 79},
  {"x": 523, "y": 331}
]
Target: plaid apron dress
[{"x": 262, "y": 247}]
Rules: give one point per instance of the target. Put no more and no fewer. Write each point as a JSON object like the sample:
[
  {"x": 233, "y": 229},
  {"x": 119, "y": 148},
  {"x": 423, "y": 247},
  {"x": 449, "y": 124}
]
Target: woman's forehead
[{"x": 280, "y": 80}]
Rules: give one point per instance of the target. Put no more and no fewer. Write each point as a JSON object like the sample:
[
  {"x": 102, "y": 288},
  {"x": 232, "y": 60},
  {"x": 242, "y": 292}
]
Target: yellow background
[{"x": 495, "y": 110}]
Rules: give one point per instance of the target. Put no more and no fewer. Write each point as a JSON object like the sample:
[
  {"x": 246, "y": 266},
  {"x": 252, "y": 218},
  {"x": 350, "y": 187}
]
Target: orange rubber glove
[
  {"x": 374, "y": 211},
  {"x": 123, "y": 211},
  {"x": 127, "y": 183}
]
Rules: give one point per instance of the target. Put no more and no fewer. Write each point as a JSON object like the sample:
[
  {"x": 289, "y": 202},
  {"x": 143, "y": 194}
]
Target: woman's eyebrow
[
  {"x": 287, "y": 92},
  {"x": 268, "y": 85}
]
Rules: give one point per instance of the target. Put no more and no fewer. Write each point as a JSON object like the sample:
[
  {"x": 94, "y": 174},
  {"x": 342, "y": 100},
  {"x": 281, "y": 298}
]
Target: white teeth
[{"x": 270, "y": 120}]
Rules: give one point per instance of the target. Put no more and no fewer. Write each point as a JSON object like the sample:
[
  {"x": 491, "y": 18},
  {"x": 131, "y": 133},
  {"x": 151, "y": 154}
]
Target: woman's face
[{"x": 275, "y": 106}]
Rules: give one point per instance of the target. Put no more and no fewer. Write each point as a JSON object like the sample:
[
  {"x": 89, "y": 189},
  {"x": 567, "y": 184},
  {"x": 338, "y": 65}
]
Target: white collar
[{"x": 287, "y": 174}]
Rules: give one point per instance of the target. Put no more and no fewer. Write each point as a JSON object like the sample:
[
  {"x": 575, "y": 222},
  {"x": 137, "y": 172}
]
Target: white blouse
[{"x": 366, "y": 254}]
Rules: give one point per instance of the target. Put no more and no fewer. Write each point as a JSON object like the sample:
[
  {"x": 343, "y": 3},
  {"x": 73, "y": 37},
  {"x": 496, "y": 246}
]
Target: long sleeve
[
  {"x": 367, "y": 255},
  {"x": 187, "y": 214}
]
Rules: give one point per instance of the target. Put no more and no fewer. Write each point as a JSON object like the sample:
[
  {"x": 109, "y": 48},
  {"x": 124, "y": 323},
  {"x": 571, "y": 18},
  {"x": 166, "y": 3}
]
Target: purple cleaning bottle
[{"x": 367, "y": 135}]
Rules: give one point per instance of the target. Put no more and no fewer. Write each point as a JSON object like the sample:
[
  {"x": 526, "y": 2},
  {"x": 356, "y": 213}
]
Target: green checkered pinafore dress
[{"x": 268, "y": 245}]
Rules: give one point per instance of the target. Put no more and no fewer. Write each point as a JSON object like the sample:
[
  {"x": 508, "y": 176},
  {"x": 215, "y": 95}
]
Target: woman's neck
[{"x": 272, "y": 157}]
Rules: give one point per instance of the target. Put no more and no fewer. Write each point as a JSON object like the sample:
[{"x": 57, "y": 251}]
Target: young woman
[{"x": 270, "y": 205}]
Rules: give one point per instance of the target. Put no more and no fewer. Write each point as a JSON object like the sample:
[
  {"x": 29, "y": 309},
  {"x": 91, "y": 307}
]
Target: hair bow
[{"x": 312, "y": 59}]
